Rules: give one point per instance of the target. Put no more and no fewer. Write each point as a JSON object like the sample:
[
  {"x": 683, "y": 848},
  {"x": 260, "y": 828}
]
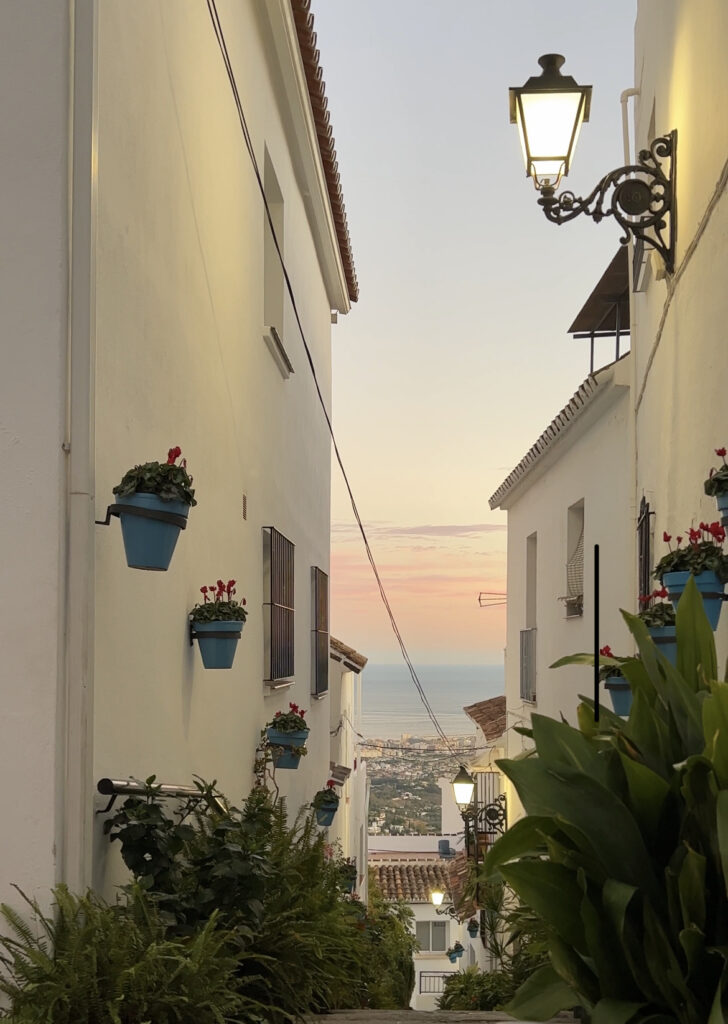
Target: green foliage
[
  {"x": 91, "y": 963},
  {"x": 292, "y": 720},
  {"x": 387, "y": 947},
  {"x": 660, "y": 613},
  {"x": 472, "y": 989},
  {"x": 304, "y": 944},
  {"x": 623, "y": 854},
  {"x": 167, "y": 481},
  {"x": 325, "y": 799},
  {"x": 717, "y": 482},
  {"x": 219, "y": 611},
  {"x": 701, "y": 556}
]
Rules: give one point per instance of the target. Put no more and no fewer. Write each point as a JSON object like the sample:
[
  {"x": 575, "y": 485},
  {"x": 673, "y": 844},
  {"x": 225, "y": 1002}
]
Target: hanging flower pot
[
  {"x": 152, "y": 503},
  {"x": 701, "y": 558},
  {"x": 666, "y": 641},
  {"x": 326, "y": 803},
  {"x": 286, "y": 737},
  {"x": 452, "y": 957},
  {"x": 217, "y": 624},
  {"x": 347, "y": 869},
  {"x": 473, "y": 928},
  {"x": 659, "y": 617},
  {"x": 717, "y": 486},
  {"x": 621, "y": 694}
]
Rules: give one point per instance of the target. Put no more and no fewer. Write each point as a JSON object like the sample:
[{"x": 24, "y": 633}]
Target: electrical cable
[{"x": 220, "y": 36}]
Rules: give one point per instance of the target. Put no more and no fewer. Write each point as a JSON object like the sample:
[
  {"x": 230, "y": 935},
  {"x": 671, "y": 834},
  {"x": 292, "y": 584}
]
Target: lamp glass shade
[
  {"x": 549, "y": 110},
  {"x": 463, "y": 786},
  {"x": 437, "y": 896}
]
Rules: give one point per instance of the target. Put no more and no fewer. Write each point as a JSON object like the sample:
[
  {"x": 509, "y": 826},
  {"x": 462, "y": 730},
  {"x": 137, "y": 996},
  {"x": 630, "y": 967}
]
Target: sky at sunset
[{"x": 456, "y": 356}]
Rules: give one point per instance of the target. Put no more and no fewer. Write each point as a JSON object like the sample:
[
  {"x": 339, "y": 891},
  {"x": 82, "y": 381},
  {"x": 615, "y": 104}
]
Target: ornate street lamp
[
  {"x": 463, "y": 787},
  {"x": 549, "y": 111},
  {"x": 437, "y": 896}
]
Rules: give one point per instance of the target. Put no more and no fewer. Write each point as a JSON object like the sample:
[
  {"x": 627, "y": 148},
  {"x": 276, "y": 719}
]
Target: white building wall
[
  {"x": 590, "y": 462},
  {"x": 436, "y": 962},
  {"x": 34, "y": 80},
  {"x": 181, "y": 360},
  {"x": 679, "y": 323}
]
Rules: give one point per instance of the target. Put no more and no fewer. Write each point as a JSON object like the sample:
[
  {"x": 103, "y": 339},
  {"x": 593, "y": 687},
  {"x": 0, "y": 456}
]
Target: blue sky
[{"x": 456, "y": 356}]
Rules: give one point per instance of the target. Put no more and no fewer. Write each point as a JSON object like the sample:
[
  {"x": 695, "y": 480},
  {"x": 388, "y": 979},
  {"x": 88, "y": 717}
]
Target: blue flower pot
[
  {"x": 150, "y": 543},
  {"x": 325, "y": 816},
  {"x": 709, "y": 586},
  {"x": 621, "y": 694},
  {"x": 452, "y": 957},
  {"x": 722, "y": 501},
  {"x": 284, "y": 758},
  {"x": 459, "y": 953},
  {"x": 473, "y": 932},
  {"x": 218, "y": 651},
  {"x": 664, "y": 638}
]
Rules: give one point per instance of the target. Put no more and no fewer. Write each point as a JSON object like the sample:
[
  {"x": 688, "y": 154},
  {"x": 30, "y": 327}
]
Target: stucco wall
[
  {"x": 592, "y": 463},
  {"x": 679, "y": 324},
  {"x": 33, "y": 298},
  {"x": 181, "y": 361}
]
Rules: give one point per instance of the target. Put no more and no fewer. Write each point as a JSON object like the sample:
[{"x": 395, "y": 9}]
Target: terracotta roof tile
[
  {"x": 351, "y": 658},
  {"x": 319, "y": 104},
  {"x": 411, "y": 881},
  {"x": 458, "y": 871},
  {"x": 489, "y": 716}
]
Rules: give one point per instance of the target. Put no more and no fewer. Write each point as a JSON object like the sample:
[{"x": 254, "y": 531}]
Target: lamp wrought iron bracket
[
  {"x": 449, "y": 910},
  {"x": 493, "y": 815},
  {"x": 641, "y": 197}
]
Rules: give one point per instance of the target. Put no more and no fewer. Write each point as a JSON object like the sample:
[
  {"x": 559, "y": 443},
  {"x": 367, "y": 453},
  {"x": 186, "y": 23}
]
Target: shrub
[
  {"x": 92, "y": 963},
  {"x": 624, "y": 851},
  {"x": 472, "y": 989}
]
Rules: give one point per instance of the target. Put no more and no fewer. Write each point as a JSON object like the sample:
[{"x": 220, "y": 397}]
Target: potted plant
[
  {"x": 717, "y": 485},
  {"x": 473, "y": 928},
  {"x": 217, "y": 623},
  {"x": 703, "y": 558},
  {"x": 286, "y": 736},
  {"x": 153, "y": 501},
  {"x": 610, "y": 673},
  {"x": 659, "y": 617},
  {"x": 348, "y": 873},
  {"x": 326, "y": 803},
  {"x": 455, "y": 952}
]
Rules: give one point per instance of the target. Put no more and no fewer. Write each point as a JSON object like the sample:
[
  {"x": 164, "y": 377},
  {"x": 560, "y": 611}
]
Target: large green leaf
[
  {"x": 592, "y": 809},
  {"x": 722, "y": 825},
  {"x": 541, "y": 996},
  {"x": 615, "y": 1011},
  {"x": 647, "y": 794},
  {"x": 574, "y": 971},
  {"x": 695, "y": 641},
  {"x": 559, "y": 743},
  {"x": 552, "y": 892},
  {"x": 691, "y": 886},
  {"x": 715, "y": 730},
  {"x": 607, "y": 954},
  {"x": 662, "y": 962},
  {"x": 525, "y": 836}
]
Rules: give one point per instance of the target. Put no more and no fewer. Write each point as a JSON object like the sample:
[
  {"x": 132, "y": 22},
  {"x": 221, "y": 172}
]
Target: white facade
[
  {"x": 137, "y": 298},
  {"x": 578, "y": 480}
]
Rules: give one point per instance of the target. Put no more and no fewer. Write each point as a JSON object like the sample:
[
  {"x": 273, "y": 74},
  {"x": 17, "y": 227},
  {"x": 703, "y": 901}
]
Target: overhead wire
[{"x": 220, "y": 36}]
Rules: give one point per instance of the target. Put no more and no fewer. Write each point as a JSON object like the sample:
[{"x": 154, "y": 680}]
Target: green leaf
[
  {"x": 722, "y": 824},
  {"x": 647, "y": 793},
  {"x": 552, "y": 892},
  {"x": 695, "y": 641},
  {"x": 615, "y": 1011},
  {"x": 525, "y": 836},
  {"x": 559, "y": 743},
  {"x": 715, "y": 730},
  {"x": 574, "y": 971},
  {"x": 541, "y": 996},
  {"x": 691, "y": 886}
]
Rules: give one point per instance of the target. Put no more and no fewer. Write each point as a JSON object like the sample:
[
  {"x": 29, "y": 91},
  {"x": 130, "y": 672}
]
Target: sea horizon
[{"x": 391, "y": 705}]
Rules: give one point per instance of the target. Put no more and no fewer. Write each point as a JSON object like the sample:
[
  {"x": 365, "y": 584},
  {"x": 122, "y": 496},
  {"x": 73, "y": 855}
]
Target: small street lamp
[
  {"x": 437, "y": 896},
  {"x": 463, "y": 786},
  {"x": 549, "y": 111}
]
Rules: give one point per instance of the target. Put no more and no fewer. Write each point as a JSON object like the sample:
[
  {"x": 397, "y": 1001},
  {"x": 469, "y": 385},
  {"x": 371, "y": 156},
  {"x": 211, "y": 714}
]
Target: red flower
[
  {"x": 172, "y": 454},
  {"x": 645, "y": 598},
  {"x": 717, "y": 532},
  {"x": 243, "y": 601},
  {"x": 331, "y": 783},
  {"x": 277, "y": 714},
  {"x": 203, "y": 591},
  {"x": 606, "y": 651},
  {"x": 694, "y": 535},
  {"x": 679, "y": 541},
  {"x": 294, "y": 708},
  {"x": 661, "y": 593},
  {"x": 666, "y": 537},
  {"x": 721, "y": 452}
]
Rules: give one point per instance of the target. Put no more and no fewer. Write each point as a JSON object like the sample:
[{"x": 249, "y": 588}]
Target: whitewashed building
[{"x": 144, "y": 307}]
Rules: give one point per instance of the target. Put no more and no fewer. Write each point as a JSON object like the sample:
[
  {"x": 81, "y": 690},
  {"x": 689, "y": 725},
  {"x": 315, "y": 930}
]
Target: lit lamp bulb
[
  {"x": 463, "y": 786},
  {"x": 437, "y": 896}
]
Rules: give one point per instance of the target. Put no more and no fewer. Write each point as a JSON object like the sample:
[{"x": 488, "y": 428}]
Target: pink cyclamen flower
[
  {"x": 666, "y": 537},
  {"x": 721, "y": 452},
  {"x": 606, "y": 651}
]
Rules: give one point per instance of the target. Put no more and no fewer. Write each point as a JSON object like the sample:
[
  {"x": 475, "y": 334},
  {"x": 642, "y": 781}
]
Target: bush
[
  {"x": 624, "y": 851},
  {"x": 92, "y": 963},
  {"x": 472, "y": 989}
]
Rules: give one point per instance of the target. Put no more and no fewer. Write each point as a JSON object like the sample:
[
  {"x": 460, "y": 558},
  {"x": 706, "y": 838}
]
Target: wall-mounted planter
[
  {"x": 325, "y": 815},
  {"x": 710, "y": 587},
  {"x": 150, "y": 528},
  {"x": 284, "y": 757},
  {"x": 664, "y": 638},
  {"x": 452, "y": 957},
  {"x": 473, "y": 929},
  {"x": 217, "y": 640},
  {"x": 722, "y": 502},
  {"x": 621, "y": 694}
]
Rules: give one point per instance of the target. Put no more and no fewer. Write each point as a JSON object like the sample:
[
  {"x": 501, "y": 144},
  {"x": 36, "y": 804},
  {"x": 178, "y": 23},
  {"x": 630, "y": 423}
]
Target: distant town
[{"x": 405, "y": 796}]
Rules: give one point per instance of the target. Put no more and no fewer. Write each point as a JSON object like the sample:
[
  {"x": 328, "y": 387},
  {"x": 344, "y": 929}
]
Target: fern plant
[{"x": 95, "y": 963}]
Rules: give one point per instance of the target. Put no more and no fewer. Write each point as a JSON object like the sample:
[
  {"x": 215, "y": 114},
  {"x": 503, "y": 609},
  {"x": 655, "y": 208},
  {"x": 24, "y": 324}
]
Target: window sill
[
  {"x": 279, "y": 684},
  {"x": 276, "y": 348}
]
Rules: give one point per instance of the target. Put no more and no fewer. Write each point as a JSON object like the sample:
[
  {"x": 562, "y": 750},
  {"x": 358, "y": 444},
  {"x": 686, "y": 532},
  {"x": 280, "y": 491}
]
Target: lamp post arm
[{"x": 641, "y": 198}]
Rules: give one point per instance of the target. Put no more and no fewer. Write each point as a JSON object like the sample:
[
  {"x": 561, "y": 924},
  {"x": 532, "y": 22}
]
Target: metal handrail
[{"x": 133, "y": 787}]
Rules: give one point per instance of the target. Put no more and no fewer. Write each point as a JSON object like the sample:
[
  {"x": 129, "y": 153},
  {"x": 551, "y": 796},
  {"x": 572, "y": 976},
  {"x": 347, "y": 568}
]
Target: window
[
  {"x": 320, "y": 632},
  {"x": 531, "y": 556},
  {"x": 575, "y": 560},
  {"x": 279, "y": 604},
  {"x": 273, "y": 280},
  {"x": 528, "y": 665},
  {"x": 432, "y": 936}
]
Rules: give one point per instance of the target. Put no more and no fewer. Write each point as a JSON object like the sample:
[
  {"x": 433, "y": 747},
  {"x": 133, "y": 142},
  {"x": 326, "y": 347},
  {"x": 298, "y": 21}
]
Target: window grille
[
  {"x": 644, "y": 547},
  {"x": 278, "y": 561},
  {"x": 433, "y": 982},
  {"x": 528, "y": 665},
  {"x": 320, "y": 632}
]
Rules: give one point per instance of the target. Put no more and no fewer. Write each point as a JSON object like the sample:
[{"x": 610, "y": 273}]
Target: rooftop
[
  {"x": 327, "y": 146},
  {"x": 351, "y": 659},
  {"x": 411, "y": 880},
  {"x": 489, "y": 716}
]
